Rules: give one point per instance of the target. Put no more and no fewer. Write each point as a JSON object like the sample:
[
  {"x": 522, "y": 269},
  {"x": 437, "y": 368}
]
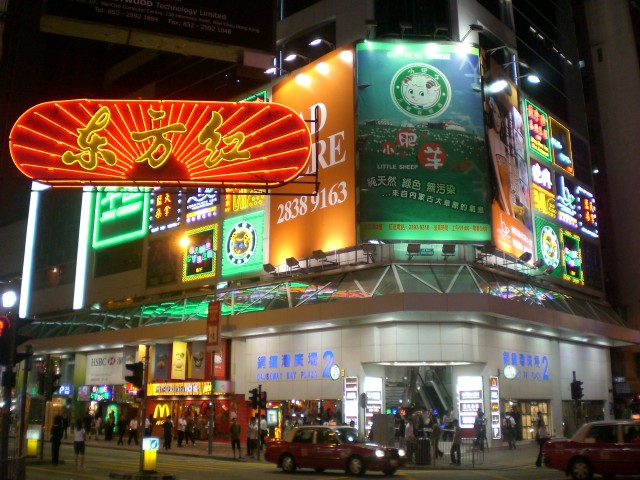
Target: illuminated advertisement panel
[
  {"x": 537, "y": 130},
  {"x": 470, "y": 399},
  {"x": 422, "y": 171},
  {"x": 511, "y": 206},
  {"x": 165, "y": 210},
  {"x": 548, "y": 246},
  {"x": 322, "y": 93},
  {"x": 543, "y": 197},
  {"x": 571, "y": 257},
  {"x": 120, "y": 216},
  {"x": 587, "y": 215},
  {"x": 561, "y": 146},
  {"x": 199, "y": 257},
  {"x": 566, "y": 202},
  {"x": 242, "y": 244},
  {"x": 143, "y": 142},
  {"x": 239, "y": 200},
  {"x": 201, "y": 204}
]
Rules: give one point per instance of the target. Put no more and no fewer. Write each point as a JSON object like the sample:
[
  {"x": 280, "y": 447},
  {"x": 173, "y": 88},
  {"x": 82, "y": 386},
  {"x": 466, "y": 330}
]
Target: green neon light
[{"x": 121, "y": 215}]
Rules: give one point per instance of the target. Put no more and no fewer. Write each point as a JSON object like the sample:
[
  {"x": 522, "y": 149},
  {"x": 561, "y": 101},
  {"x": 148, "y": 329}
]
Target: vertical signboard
[
  {"x": 537, "y": 131},
  {"x": 351, "y": 411},
  {"x": 213, "y": 327},
  {"x": 494, "y": 393},
  {"x": 165, "y": 209},
  {"x": 561, "y": 146},
  {"x": 511, "y": 207},
  {"x": 323, "y": 94},
  {"x": 571, "y": 257},
  {"x": 422, "y": 162}
]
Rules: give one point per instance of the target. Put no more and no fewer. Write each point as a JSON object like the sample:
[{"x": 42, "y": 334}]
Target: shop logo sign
[{"x": 420, "y": 90}]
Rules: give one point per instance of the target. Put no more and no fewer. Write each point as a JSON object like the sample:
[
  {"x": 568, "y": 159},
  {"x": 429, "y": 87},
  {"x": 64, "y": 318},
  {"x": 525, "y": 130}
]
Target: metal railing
[{"x": 14, "y": 468}]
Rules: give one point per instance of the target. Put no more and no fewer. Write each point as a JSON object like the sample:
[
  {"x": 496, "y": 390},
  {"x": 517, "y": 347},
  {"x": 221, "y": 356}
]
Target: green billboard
[
  {"x": 242, "y": 244},
  {"x": 422, "y": 161}
]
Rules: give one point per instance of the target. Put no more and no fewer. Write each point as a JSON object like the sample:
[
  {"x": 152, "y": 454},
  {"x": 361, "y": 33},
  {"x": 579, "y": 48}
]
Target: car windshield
[{"x": 350, "y": 435}]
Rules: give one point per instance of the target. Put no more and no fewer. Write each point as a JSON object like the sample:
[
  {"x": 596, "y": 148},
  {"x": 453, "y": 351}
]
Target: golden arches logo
[{"x": 161, "y": 411}]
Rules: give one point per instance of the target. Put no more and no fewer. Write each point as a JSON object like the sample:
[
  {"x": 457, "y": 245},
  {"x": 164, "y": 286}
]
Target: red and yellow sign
[{"x": 146, "y": 142}]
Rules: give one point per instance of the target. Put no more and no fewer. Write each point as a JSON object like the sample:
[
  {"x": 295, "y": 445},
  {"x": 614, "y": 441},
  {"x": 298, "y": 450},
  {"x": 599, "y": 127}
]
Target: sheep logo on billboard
[{"x": 420, "y": 90}]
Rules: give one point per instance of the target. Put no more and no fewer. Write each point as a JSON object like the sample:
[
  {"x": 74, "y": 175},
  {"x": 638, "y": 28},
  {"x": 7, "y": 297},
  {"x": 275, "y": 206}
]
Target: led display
[
  {"x": 422, "y": 172},
  {"x": 242, "y": 244},
  {"x": 165, "y": 209},
  {"x": 587, "y": 216},
  {"x": 120, "y": 215},
  {"x": 200, "y": 254},
  {"x": 143, "y": 142}
]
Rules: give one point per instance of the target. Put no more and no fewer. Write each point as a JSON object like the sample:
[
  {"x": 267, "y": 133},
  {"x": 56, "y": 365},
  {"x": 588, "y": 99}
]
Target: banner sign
[
  {"x": 144, "y": 142},
  {"x": 213, "y": 327},
  {"x": 104, "y": 368}
]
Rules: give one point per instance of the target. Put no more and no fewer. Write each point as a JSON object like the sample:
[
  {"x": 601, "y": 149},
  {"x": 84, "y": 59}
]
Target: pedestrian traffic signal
[
  {"x": 263, "y": 399},
  {"x": 254, "y": 398},
  {"x": 136, "y": 378},
  {"x": 576, "y": 390}
]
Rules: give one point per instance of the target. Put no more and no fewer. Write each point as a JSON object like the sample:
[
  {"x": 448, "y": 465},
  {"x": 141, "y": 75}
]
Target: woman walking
[{"x": 79, "y": 440}]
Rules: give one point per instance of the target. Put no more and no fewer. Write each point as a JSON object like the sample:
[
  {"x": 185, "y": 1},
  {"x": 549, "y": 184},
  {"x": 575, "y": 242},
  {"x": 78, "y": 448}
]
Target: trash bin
[{"x": 423, "y": 451}]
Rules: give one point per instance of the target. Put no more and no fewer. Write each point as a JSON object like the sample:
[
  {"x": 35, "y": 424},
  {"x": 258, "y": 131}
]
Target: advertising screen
[
  {"x": 120, "y": 215},
  {"x": 322, "y": 93},
  {"x": 242, "y": 244},
  {"x": 422, "y": 160}
]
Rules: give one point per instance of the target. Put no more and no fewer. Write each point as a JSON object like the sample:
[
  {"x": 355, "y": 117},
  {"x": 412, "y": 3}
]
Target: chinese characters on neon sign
[{"x": 537, "y": 130}]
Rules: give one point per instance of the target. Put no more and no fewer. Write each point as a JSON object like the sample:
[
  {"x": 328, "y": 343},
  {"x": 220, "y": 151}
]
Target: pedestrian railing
[
  {"x": 422, "y": 452},
  {"x": 13, "y": 468}
]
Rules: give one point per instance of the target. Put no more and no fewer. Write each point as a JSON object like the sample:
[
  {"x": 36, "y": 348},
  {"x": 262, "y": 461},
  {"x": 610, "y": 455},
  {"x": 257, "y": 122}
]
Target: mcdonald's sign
[{"x": 161, "y": 412}]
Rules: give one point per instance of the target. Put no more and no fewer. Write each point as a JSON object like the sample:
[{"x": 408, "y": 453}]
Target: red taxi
[
  {"x": 607, "y": 448},
  {"x": 332, "y": 447}
]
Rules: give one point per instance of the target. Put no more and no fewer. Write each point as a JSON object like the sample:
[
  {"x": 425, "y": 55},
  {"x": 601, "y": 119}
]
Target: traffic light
[
  {"x": 6, "y": 340},
  {"x": 263, "y": 399},
  {"x": 254, "y": 398},
  {"x": 136, "y": 377},
  {"x": 576, "y": 390}
]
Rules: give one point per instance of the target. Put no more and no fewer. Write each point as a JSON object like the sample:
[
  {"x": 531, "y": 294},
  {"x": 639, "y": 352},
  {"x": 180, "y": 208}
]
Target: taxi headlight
[
  {"x": 401, "y": 452},
  {"x": 379, "y": 453}
]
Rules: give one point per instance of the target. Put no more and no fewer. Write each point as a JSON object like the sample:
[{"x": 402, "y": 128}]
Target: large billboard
[
  {"x": 145, "y": 142},
  {"x": 322, "y": 93},
  {"x": 512, "y": 220},
  {"x": 422, "y": 158}
]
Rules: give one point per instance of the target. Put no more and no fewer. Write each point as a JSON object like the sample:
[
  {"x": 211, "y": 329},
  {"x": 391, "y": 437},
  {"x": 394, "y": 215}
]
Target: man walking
[
  {"x": 455, "y": 443},
  {"x": 234, "y": 432},
  {"x": 509, "y": 426},
  {"x": 133, "y": 430}
]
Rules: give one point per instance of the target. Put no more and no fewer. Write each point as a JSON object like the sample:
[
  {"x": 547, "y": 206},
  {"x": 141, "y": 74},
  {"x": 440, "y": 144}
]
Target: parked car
[
  {"x": 605, "y": 447},
  {"x": 332, "y": 447}
]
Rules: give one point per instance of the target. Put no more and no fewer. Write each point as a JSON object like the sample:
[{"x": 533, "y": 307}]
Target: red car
[
  {"x": 606, "y": 447},
  {"x": 332, "y": 447}
]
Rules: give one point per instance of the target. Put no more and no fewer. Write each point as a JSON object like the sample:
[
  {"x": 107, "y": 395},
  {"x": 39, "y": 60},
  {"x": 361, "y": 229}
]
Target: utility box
[
  {"x": 384, "y": 429},
  {"x": 150, "y": 447}
]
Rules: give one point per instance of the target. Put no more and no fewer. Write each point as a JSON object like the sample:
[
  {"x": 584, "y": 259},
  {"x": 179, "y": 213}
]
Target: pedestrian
[
  {"x": 167, "y": 426},
  {"x": 542, "y": 436},
  {"x": 252, "y": 436},
  {"x": 148, "y": 426},
  {"x": 87, "y": 421},
  {"x": 98, "y": 426},
  {"x": 447, "y": 419},
  {"x": 436, "y": 430},
  {"x": 133, "y": 430},
  {"x": 57, "y": 432},
  {"x": 455, "y": 443},
  {"x": 79, "y": 440},
  {"x": 509, "y": 427},
  {"x": 480, "y": 427},
  {"x": 409, "y": 440},
  {"x": 108, "y": 428},
  {"x": 264, "y": 432},
  {"x": 65, "y": 423},
  {"x": 182, "y": 428},
  {"x": 122, "y": 426},
  {"x": 189, "y": 431},
  {"x": 234, "y": 432}
]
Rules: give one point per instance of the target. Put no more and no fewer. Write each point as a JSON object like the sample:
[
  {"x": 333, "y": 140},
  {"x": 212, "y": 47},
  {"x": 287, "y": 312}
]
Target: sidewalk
[{"x": 497, "y": 457}]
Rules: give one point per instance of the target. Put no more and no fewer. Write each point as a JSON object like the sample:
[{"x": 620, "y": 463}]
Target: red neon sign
[{"x": 150, "y": 142}]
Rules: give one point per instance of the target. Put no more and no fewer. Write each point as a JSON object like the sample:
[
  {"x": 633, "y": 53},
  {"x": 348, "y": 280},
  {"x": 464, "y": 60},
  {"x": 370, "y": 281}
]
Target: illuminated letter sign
[
  {"x": 587, "y": 218},
  {"x": 543, "y": 197},
  {"x": 121, "y": 216},
  {"x": 202, "y": 204},
  {"x": 537, "y": 129},
  {"x": 561, "y": 146},
  {"x": 165, "y": 210},
  {"x": 143, "y": 142},
  {"x": 566, "y": 202}
]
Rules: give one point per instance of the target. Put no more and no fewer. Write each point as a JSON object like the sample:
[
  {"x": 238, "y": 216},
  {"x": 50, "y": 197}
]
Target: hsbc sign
[{"x": 104, "y": 368}]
